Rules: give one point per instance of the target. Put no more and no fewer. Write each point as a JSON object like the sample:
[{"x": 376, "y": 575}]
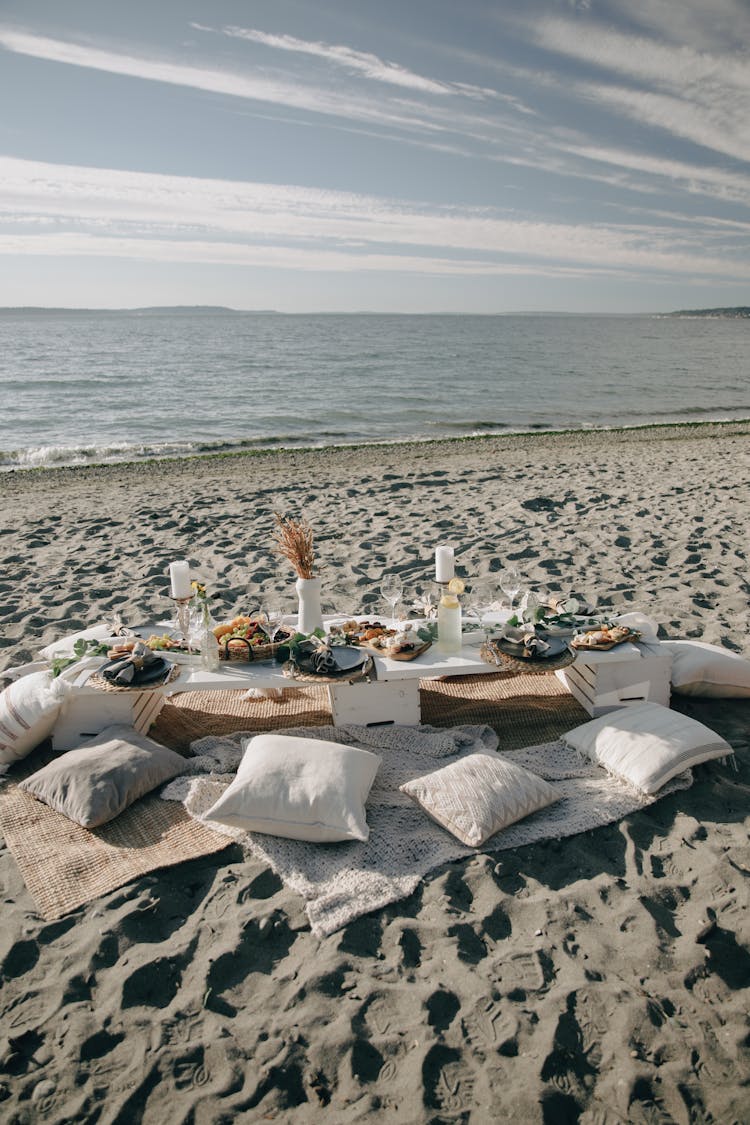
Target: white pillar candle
[
  {"x": 179, "y": 576},
  {"x": 444, "y": 564}
]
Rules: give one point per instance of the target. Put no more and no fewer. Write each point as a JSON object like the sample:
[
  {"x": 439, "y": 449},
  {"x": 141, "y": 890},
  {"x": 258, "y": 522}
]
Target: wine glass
[
  {"x": 271, "y": 618},
  {"x": 510, "y": 584},
  {"x": 391, "y": 588},
  {"x": 481, "y": 597}
]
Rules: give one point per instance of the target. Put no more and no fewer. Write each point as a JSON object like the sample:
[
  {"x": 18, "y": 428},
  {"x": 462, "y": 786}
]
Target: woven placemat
[{"x": 101, "y": 684}]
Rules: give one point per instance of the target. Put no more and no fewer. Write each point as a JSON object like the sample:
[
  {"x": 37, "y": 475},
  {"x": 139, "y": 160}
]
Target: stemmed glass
[
  {"x": 271, "y": 618},
  {"x": 481, "y": 597},
  {"x": 391, "y": 588},
  {"x": 510, "y": 584}
]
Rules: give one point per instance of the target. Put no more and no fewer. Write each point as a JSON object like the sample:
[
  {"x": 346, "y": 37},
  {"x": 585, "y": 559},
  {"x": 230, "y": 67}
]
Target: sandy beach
[{"x": 600, "y": 978}]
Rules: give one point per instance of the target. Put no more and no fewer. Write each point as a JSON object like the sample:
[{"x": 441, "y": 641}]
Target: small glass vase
[
  {"x": 209, "y": 644},
  {"x": 310, "y": 614}
]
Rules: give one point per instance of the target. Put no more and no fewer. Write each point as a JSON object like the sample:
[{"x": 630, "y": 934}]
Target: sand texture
[{"x": 601, "y": 978}]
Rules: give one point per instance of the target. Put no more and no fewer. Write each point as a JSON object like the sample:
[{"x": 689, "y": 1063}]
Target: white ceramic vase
[{"x": 310, "y": 615}]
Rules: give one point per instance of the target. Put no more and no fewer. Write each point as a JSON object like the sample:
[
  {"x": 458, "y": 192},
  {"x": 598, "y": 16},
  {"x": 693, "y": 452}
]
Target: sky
[{"x": 481, "y": 156}]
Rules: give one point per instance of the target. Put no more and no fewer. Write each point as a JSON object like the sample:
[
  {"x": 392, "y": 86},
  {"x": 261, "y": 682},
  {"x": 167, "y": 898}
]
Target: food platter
[{"x": 602, "y": 640}]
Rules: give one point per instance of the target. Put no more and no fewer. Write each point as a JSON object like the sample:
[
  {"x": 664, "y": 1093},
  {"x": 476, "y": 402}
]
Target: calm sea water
[{"x": 95, "y": 387}]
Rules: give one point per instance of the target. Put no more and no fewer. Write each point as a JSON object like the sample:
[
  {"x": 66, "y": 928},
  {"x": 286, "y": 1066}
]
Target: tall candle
[
  {"x": 444, "y": 564},
  {"x": 179, "y": 576}
]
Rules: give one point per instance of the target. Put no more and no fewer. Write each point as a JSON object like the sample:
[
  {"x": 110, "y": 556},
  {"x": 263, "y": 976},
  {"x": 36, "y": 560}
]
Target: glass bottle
[{"x": 449, "y": 624}]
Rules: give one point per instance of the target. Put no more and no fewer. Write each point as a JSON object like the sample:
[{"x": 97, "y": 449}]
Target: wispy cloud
[
  {"x": 701, "y": 96},
  {"x": 681, "y": 92},
  {"x": 355, "y": 62},
  {"x": 253, "y": 84},
  {"x": 128, "y": 214}
]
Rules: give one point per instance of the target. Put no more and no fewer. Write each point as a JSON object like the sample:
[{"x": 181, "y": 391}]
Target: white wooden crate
[
  {"x": 622, "y": 677},
  {"x": 88, "y": 711},
  {"x": 391, "y": 701}
]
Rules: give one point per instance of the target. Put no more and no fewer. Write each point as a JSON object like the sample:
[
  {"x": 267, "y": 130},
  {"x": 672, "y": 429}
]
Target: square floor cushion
[
  {"x": 702, "y": 669},
  {"x": 479, "y": 795},
  {"x": 28, "y": 711},
  {"x": 646, "y": 745},
  {"x": 300, "y": 788},
  {"x": 96, "y": 781}
]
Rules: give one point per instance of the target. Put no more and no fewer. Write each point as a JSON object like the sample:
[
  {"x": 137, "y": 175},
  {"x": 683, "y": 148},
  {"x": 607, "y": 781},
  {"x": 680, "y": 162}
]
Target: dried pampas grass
[{"x": 294, "y": 541}]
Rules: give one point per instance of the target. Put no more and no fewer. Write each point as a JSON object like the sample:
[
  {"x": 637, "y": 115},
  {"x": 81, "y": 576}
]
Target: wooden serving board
[{"x": 605, "y": 647}]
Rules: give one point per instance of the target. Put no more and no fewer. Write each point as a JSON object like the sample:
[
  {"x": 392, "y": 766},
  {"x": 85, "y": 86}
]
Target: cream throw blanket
[{"x": 339, "y": 882}]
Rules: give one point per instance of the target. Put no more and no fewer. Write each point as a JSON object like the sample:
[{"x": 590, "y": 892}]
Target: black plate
[
  {"x": 148, "y": 675},
  {"x": 348, "y": 659},
  {"x": 557, "y": 646}
]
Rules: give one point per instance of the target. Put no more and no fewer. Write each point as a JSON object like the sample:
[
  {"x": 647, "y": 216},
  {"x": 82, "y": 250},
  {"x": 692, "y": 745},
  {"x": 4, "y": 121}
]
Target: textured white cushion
[
  {"x": 479, "y": 795},
  {"x": 99, "y": 779},
  {"x": 300, "y": 788},
  {"x": 702, "y": 669},
  {"x": 647, "y": 745},
  {"x": 28, "y": 710}
]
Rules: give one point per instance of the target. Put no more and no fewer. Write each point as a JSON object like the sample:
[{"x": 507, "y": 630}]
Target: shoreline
[{"x": 721, "y": 427}]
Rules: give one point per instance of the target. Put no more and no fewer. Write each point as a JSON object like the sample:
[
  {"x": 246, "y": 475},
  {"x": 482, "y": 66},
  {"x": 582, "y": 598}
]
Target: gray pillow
[{"x": 94, "y": 783}]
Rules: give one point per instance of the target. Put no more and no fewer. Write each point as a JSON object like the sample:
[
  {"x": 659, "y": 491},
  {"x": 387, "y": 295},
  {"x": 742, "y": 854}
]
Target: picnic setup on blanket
[{"x": 352, "y": 755}]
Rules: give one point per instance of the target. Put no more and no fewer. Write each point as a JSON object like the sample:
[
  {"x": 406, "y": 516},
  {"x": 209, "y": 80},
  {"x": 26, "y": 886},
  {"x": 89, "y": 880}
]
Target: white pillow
[
  {"x": 300, "y": 788},
  {"x": 647, "y": 745},
  {"x": 702, "y": 669},
  {"x": 28, "y": 711},
  {"x": 479, "y": 795}
]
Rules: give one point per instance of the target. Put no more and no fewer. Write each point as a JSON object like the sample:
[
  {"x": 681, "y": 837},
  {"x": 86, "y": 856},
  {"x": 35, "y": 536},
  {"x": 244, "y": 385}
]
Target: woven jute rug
[{"x": 65, "y": 866}]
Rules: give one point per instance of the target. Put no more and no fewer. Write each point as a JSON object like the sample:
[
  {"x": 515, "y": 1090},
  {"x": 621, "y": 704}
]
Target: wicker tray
[
  {"x": 491, "y": 653},
  {"x": 243, "y": 652}
]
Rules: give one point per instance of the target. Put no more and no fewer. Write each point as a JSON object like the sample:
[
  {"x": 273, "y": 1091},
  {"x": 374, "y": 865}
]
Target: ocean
[{"x": 92, "y": 387}]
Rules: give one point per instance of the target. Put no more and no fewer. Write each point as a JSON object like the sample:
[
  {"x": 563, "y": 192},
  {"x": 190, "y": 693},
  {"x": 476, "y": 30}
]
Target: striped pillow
[{"x": 28, "y": 712}]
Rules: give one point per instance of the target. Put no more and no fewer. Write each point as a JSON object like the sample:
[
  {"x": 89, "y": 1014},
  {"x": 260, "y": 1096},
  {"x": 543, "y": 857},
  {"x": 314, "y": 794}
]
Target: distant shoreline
[{"x": 732, "y": 313}]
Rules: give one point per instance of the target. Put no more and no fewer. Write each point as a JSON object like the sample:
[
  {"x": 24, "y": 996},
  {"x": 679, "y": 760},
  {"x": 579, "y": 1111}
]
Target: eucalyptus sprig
[{"x": 81, "y": 648}]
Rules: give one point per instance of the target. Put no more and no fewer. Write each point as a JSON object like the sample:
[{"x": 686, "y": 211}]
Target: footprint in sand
[
  {"x": 493, "y": 1025},
  {"x": 448, "y": 1083}
]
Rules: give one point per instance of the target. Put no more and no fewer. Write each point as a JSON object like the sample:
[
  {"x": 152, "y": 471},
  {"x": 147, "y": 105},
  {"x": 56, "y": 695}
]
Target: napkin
[
  {"x": 320, "y": 658},
  {"x": 535, "y": 644},
  {"x": 128, "y": 670}
]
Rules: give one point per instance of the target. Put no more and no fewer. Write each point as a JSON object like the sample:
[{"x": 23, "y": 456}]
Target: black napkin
[
  {"x": 318, "y": 657},
  {"x": 131, "y": 668}
]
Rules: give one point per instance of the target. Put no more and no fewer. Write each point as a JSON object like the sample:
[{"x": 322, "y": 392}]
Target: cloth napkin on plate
[
  {"x": 131, "y": 668},
  {"x": 317, "y": 656}
]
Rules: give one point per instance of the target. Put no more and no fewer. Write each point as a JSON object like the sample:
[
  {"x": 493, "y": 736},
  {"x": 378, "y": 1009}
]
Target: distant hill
[
  {"x": 148, "y": 310},
  {"x": 739, "y": 311}
]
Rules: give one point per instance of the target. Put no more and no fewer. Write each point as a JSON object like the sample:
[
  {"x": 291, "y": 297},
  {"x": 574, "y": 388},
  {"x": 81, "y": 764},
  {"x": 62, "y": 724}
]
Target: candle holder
[{"x": 183, "y": 620}]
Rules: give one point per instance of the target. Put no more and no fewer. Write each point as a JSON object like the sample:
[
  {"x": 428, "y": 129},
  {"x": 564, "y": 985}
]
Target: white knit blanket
[{"x": 339, "y": 882}]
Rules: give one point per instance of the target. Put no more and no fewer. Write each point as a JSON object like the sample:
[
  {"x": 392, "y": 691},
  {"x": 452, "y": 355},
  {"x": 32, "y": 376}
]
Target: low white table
[
  {"x": 600, "y": 681},
  {"x": 392, "y": 696}
]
